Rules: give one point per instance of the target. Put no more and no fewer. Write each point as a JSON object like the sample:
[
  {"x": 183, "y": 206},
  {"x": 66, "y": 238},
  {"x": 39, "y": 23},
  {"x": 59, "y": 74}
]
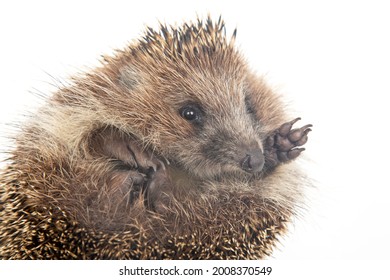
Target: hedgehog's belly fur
[{"x": 32, "y": 230}]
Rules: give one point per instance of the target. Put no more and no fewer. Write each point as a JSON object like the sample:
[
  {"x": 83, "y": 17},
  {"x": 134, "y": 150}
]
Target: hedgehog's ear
[{"x": 129, "y": 77}]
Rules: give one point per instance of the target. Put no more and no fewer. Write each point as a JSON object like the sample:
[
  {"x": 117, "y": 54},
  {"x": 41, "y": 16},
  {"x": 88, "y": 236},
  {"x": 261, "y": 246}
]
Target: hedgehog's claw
[
  {"x": 280, "y": 146},
  {"x": 285, "y": 128},
  {"x": 153, "y": 188},
  {"x": 153, "y": 170}
]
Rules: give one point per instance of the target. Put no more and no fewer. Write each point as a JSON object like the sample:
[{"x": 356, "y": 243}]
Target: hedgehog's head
[{"x": 195, "y": 99}]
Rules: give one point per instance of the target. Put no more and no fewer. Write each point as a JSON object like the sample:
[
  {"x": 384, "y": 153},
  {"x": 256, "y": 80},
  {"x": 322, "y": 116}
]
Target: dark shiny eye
[{"x": 191, "y": 113}]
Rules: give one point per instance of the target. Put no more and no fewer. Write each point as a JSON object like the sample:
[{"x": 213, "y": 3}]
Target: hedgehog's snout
[{"x": 253, "y": 160}]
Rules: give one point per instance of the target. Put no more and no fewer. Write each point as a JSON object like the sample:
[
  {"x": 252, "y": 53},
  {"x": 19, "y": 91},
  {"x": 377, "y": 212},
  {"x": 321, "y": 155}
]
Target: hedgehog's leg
[
  {"x": 154, "y": 171},
  {"x": 134, "y": 168},
  {"x": 121, "y": 148},
  {"x": 281, "y": 145}
]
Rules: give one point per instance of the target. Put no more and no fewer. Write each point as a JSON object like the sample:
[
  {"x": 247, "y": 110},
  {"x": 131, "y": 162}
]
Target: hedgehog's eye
[{"x": 191, "y": 113}]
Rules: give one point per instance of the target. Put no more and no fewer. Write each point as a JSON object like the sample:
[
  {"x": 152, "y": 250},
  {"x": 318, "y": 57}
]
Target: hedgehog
[{"x": 171, "y": 148}]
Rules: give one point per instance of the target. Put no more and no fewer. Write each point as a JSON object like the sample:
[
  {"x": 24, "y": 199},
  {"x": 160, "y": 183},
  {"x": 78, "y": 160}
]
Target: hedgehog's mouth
[{"x": 212, "y": 171}]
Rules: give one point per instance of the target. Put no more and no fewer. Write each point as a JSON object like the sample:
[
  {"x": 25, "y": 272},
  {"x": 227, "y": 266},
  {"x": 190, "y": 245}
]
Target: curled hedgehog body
[{"x": 171, "y": 149}]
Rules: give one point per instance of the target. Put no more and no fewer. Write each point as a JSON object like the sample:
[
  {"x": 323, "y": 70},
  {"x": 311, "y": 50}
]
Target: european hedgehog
[{"x": 171, "y": 149}]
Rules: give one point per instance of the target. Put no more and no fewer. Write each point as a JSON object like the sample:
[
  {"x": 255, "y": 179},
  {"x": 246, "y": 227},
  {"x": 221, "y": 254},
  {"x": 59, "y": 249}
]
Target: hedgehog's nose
[{"x": 253, "y": 161}]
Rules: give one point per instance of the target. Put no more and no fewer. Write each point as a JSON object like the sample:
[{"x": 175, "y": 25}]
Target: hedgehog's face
[
  {"x": 222, "y": 140},
  {"x": 210, "y": 127}
]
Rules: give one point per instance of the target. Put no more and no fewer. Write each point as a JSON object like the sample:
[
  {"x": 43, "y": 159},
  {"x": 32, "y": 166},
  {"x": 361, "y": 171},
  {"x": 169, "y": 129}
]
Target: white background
[{"x": 330, "y": 59}]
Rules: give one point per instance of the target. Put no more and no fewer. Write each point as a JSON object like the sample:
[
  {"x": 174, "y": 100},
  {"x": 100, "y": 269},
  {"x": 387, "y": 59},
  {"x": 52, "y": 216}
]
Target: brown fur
[{"x": 63, "y": 195}]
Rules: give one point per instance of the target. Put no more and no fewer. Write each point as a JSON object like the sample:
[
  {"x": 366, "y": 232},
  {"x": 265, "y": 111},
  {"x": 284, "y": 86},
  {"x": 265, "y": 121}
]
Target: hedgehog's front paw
[
  {"x": 153, "y": 173},
  {"x": 121, "y": 148},
  {"x": 281, "y": 145},
  {"x": 147, "y": 177},
  {"x": 136, "y": 171},
  {"x": 155, "y": 194}
]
